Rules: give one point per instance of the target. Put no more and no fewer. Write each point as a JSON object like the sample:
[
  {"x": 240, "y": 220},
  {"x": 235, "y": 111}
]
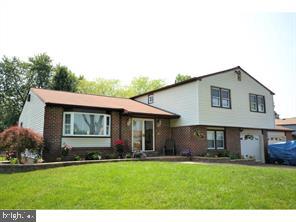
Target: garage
[
  {"x": 252, "y": 144},
  {"x": 276, "y": 137}
]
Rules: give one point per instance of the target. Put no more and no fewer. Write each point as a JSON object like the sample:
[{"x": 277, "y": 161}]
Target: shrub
[
  {"x": 19, "y": 139},
  {"x": 110, "y": 156},
  {"x": 128, "y": 155},
  {"x": 223, "y": 153},
  {"x": 10, "y": 155},
  {"x": 13, "y": 161},
  {"x": 119, "y": 144},
  {"x": 186, "y": 152},
  {"x": 77, "y": 158},
  {"x": 66, "y": 149},
  {"x": 234, "y": 156},
  {"x": 139, "y": 154},
  {"x": 93, "y": 156}
]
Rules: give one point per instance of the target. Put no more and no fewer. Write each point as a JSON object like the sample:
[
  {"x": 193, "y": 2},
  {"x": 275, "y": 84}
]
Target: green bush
[
  {"x": 128, "y": 155},
  {"x": 223, "y": 153},
  {"x": 13, "y": 161},
  {"x": 93, "y": 156},
  {"x": 234, "y": 156},
  {"x": 110, "y": 156},
  {"x": 77, "y": 158}
]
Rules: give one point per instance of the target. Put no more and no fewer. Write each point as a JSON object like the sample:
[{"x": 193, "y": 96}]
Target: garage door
[
  {"x": 276, "y": 137},
  {"x": 251, "y": 146}
]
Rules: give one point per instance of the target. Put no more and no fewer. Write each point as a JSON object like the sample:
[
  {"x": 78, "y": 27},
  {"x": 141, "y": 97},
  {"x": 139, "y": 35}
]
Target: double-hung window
[
  {"x": 86, "y": 124},
  {"x": 257, "y": 103},
  {"x": 220, "y": 97},
  {"x": 215, "y": 139}
]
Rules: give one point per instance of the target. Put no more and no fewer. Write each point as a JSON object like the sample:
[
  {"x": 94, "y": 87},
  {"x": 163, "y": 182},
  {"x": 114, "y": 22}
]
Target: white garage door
[
  {"x": 251, "y": 145},
  {"x": 276, "y": 137}
]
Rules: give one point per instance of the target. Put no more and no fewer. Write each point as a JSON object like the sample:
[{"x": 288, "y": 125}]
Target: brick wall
[
  {"x": 115, "y": 127},
  {"x": 126, "y": 132},
  {"x": 233, "y": 140},
  {"x": 185, "y": 138},
  {"x": 162, "y": 133},
  {"x": 288, "y": 135},
  {"x": 53, "y": 125}
]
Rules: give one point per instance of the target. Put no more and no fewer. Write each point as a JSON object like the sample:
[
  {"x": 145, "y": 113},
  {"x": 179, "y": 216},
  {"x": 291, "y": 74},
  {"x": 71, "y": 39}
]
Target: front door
[{"x": 143, "y": 134}]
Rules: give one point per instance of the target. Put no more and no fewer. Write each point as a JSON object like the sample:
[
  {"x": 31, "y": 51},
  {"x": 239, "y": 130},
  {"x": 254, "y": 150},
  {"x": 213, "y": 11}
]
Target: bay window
[{"x": 86, "y": 124}]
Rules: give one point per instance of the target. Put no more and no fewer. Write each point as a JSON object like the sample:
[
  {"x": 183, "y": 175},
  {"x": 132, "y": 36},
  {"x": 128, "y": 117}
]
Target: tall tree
[
  {"x": 41, "y": 70},
  {"x": 100, "y": 87},
  {"x": 144, "y": 84},
  {"x": 64, "y": 79},
  {"x": 14, "y": 86},
  {"x": 181, "y": 78}
]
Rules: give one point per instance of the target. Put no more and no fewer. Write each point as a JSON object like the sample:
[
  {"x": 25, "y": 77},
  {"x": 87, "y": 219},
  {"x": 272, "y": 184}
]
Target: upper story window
[
  {"x": 86, "y": 124},
  {"x": 150, "y": 99},
  {"x": 220, "y": 97},
  {"x": 257, "y": 103}
]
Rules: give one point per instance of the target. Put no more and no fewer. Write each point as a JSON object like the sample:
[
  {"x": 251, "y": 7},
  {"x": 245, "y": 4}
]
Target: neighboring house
[
  {"x": 287, "y": 123},
  {"x": 227, "y": 110}
]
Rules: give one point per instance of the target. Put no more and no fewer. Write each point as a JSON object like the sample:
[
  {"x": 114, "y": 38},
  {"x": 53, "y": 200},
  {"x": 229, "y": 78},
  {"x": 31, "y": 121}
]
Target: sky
[{"x": 124, "y": 39}]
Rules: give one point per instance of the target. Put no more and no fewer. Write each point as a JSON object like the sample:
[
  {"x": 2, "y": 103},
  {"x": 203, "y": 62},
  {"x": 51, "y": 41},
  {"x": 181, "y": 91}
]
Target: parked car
[{"x": 283, "y": 153}]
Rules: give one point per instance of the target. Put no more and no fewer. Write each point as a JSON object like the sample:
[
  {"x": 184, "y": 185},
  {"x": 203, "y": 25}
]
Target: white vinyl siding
[
  {"x": 193, "y": 102},
  {"x": 82, "y": 142},
  {"x": 32, "y": 115},
  {"x": 240, "y": 114},
  {"x": 182, "y": 100}
]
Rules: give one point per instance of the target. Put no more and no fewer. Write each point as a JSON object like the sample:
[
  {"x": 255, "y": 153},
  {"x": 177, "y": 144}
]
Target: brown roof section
[
  {"x": 200, "y": 78},
  {"x": 128, "y": 106},
  {"x": 286, "y": 121}
]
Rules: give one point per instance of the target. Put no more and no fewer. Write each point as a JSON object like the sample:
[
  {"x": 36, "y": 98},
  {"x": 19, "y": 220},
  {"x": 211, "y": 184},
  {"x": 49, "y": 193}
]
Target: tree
[
  {"x": 100, "y": 87},
  {"x": 181, "y": 78},
  {"x": 143, "y": 84},
  {"x": 14, "y": 86},
  {"x": 40, "y": 70},
  {"x": 19, "y": 139},
  {"x": 64, "y": 79}
]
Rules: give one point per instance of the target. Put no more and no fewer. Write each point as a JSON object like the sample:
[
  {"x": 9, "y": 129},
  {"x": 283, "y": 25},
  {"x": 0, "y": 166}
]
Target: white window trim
[
  {"x": 215, "y": 140},
  {"x": 212, "y": 148},
  {"x": 82, "y": 135},
  {"x": 143, "y": 128}
]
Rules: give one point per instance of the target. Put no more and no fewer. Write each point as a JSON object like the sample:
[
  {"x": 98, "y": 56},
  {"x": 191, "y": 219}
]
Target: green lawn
[
  {"x": 151, "y": 185},
  {"x": 2, "y": 158}
]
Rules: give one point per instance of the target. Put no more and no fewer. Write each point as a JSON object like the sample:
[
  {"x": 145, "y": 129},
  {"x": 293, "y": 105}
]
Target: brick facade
[
  {"x": 232, "y": 140},
  {"x": 126, "y": 132},
  {"x": 289, "y": 135},
  {"x": 53, "y": 126},
  {"x": 115, "y": 127},
  {"x": 185, "y": 139},
  {"x": 121, "y": 127}
]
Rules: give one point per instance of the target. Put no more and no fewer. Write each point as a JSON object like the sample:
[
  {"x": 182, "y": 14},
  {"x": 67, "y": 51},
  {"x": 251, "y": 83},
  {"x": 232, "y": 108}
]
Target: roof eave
[{"x": 169, "y": 116}]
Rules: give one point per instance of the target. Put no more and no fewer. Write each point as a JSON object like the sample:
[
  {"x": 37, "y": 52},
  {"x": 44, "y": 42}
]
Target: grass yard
[
  {"x": 2, "y": 158},
  {"x": 151, "y": 185}
]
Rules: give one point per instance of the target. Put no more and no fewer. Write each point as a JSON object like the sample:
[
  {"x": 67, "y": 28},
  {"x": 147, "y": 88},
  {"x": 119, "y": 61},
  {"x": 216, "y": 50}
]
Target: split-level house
[{"x": 228, "y": 110}]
